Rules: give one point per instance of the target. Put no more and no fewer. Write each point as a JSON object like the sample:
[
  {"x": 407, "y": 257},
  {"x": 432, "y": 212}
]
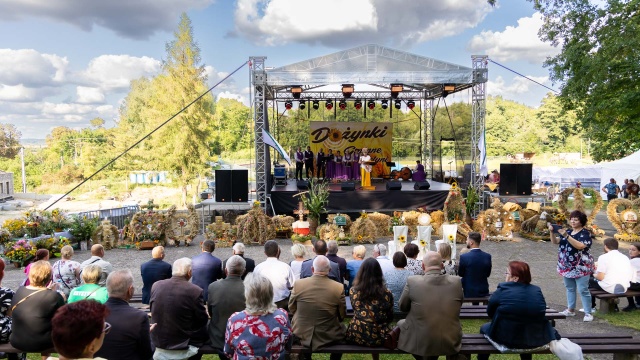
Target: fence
[{"x": 117, "y": 216}]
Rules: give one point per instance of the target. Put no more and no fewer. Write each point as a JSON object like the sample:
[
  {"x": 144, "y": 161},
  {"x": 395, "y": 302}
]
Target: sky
[{"x": 63, "y": 63}]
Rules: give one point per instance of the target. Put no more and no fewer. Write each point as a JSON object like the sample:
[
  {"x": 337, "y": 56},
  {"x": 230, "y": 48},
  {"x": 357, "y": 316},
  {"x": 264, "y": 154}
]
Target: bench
[
  {"x": 484, "y": 300},
  {"x": 608, "y": 301},
  {"x": 622, "y": 346}
]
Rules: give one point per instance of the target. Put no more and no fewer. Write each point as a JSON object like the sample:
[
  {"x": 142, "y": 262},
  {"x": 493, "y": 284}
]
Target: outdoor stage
[{"x": 380, "y": 199}]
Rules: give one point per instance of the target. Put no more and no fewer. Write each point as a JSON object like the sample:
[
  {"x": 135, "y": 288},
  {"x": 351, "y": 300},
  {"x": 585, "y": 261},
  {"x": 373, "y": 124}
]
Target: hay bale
[{"x": 382, "y": 223}]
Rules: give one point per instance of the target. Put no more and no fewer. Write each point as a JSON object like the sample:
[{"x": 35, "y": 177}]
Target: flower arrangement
[
  {"x": 54, "y": 245},
  {"x": 5, "y": 236},
  {"x": 300, "y": 238},
  {"x": 82, "y": 227},
  {"x": 58, "y": 219},
  {"x": 17, "y": 227},
  {"x": 315, "y": 199},
  {"x": 396, "y": 220},
  {"x": 21, "y": 252},
  {"x": 423, "y": 243},
  {"x": 402, "y": 239},
  {"x": 560, "y": 218}
]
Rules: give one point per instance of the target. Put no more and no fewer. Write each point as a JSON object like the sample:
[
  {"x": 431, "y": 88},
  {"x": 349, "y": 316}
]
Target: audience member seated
[
  {"x": 238, "y": 249},
  {"x": 380, "y": 254},
  {"x": 475, "y": 268},
  {"x": 413, "y": 263},
  {"x": 206, "y": 268},
  {"x": 6, "y": 295},
  {"x": 449, "y": 265},
  {"x": 97, "y": 255},
  {"x": 634, "y": 255},
  {"x": 129, "y": 337},
  {"x": 613, "y": 272},
  {"x": 299, "y": 252},
  {"x": 261, "y": 331},
  {"x": 79, "y": 330},
  {"x": 318, "y": 307},
  {"x": 180, "y": 315},
  {"x": 372, "y": 306},
  {"x": 32, "y": 309},
  {"x": 66, "y": 272},
  {"x": 397, "y": 278},
  {"x": 494, "y": 177},
  {"x": 418, "y": 173},
  {"x": 320, "y": 248},
  {"x": 359, "y": 252},
  {"x": 517, "y": 310},
  {"x": 433, "y": 301},
  {"x": 278, "y": 273},
  {"x": 90, "y": 290},
  {"x": 154, "y": 270},
  {"x": 332, "y": 255},
  {"x": 226, "y": 297},
  {"x": 41, "y": 254}
]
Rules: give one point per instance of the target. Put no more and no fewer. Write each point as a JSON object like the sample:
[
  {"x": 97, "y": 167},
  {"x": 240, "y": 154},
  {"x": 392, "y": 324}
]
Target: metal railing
[{"x": 117, "y": 216}]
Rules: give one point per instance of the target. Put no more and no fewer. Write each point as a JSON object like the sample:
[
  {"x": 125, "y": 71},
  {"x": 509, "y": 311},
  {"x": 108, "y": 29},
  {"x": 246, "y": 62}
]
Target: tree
[
  {"x": 9, "y": 141},
  {"x": 598, "y": 67}
]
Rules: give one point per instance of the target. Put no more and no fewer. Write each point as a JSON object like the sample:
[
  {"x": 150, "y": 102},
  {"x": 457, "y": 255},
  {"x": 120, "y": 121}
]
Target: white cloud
[
  {"x": 16, "y": 93},
  {"x": 115, "y": 72},
  {"x": 515, "y": 43},
  {"x": 137, "y": 19},
  {"x": 340, "y": 23},
  {"x": 519, "y": 85},
  {"x": 31, "y": 68},
  {"x": 229, "y": 95},
  {"x": 89, "y": 95}
]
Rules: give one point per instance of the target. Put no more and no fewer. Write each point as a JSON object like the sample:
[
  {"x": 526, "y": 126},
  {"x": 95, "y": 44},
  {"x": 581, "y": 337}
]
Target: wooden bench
[
  {"x": 484, "y": 300},
  {"x": 622, "y": 346},
  {"x": 608, "y": 301}
]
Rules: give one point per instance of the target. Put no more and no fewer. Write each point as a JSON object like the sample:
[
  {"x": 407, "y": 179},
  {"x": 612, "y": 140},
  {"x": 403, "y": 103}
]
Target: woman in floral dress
[
  {"x": 66, "y": 272},
  {"x": 372, "y": 306}
]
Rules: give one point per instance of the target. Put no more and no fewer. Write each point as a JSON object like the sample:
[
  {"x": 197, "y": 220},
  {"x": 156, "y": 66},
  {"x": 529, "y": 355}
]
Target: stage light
[
  {"x": 302, "y": 104},
  {"x": 329, "y": 105},
  {"x": 371, "y": 104},
  {"x": 385, "y": 104},
  {"x": 396, "y": 89},
  {"x": 296, "y": 91},
  {"x": 398, "y": 104},
  {"x": 288, "y": 105},
  {"x": 358, "y": 105},
  {"x": 342, "y": 104},
  {"x": 347, "y": 90},
  {"x": 316, "y": 104},
  {"x": 448, "y": 89},
  {"x": 411, "y": 104}
]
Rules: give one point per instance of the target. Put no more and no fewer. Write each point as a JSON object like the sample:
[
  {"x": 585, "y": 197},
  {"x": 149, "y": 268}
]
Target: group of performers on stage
[{"x": 350, "y": 166}]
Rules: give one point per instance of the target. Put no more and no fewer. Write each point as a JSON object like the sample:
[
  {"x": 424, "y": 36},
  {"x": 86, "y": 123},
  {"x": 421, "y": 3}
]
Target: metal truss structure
[
  {"x": 372, "y": 69},
  {"x": 478, "y": 112}
]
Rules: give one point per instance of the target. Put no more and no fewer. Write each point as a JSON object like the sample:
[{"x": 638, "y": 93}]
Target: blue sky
[{"x": 65, "y": 63}]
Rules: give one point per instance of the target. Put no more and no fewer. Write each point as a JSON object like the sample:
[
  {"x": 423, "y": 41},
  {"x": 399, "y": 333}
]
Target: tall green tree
[
  {"x": 598, "y": 67},
  {"x": 9, "y": 140}
]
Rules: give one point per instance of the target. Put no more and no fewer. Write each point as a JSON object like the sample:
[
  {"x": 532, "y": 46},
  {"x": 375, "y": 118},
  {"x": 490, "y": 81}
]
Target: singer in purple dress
[
  {"x": 348, "y": 164},
  {"x": 419, "y": 174},
  {"x": 339, "y": 166},
  {"x": 331, "y": 165}
]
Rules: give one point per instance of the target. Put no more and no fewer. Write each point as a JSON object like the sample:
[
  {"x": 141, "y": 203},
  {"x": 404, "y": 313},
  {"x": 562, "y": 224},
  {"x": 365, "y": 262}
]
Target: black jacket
[
  {"x": 152, "y": 271},
  {"x": 129, "y": 337}
]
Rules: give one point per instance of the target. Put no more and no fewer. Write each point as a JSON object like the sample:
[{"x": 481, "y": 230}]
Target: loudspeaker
[
  {"x": 394, "y": 185},
  {"x": 223, "y": 186},
  {"x": 347, "y": 186},
  {"x": 303, "y": 185},
  {"x": 240, "y": 185},
  {"x": 421, "y": 185},
  {"x": 515, "y": 179}
]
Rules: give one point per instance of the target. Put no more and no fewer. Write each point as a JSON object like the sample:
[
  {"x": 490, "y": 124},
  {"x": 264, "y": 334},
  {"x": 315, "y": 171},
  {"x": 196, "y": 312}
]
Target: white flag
[
  {"x": 269, "y": 140},
  {"x": 483, "y": 156}
]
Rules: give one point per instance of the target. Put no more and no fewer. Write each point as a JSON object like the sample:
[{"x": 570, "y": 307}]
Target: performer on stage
[
  {"x": 356, "y": 162},
  {"x": 348, "y": 164},
  {"x": 299, "y": 163},
  {"x": 331, "y": 165},
  {"x": 320, "y": 160},
  {"x": 339, "y": 167},
  {"x": 365, "y": 169},
  {"x": 418, "y": 173},
  {"x": 308, "y": 162}
]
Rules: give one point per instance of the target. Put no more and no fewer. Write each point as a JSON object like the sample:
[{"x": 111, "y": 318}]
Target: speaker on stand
[{"x": 515, "y": 179}]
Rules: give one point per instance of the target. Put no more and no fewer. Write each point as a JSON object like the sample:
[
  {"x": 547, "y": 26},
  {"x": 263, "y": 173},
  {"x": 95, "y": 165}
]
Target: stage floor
[{"x": 380, "y": 199}]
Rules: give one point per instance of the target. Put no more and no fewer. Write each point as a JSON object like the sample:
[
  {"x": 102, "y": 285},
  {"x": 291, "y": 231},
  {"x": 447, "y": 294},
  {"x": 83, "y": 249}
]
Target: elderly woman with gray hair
[{"x": 261, "y": 330}]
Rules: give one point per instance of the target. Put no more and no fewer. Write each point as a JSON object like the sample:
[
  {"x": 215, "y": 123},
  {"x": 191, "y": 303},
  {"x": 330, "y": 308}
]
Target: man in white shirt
[
  {"x": 614, "y": 272},
  {"x": 97, "y": 253},
  {"x": 278, "y": 272},
  {"x": 380, "y": 254}
]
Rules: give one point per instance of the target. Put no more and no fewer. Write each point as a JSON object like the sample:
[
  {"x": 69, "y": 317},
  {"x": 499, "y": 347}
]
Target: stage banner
[{"x": 349, "y": 136}]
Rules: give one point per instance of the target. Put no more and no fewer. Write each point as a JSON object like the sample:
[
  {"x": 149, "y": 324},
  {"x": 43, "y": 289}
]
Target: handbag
[
  {"x": 391, "y": 338},
  {"x": 565, "y": 349}
]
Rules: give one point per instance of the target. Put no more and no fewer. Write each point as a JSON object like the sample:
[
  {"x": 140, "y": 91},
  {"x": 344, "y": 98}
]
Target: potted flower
[
  {"x": 58, "y": 220},
  {"x": 81, "y": 227},
  {"x": 315, "y": 201},
  {"x": 20, "y": 253},
  {"x": 470, "y": 204},
  {"x": 17, "y": 227}
]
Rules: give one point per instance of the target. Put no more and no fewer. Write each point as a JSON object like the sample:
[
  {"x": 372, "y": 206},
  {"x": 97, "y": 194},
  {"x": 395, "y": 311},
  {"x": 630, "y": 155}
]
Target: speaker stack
[
  {"x": 515, "y": 179},
  {"x": 232, "y": 185}
]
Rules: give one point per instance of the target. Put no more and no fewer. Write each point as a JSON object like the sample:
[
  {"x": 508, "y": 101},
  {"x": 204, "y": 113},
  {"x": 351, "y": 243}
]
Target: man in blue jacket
[
  {"x": 475, "y": 268},
  {"x": 205, "y": 267},
  {"x": 154, "y": 270}
]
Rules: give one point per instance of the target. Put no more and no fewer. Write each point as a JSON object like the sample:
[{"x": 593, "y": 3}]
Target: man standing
[
  {"x": 225, "y": 298},
  {"x": 380, "y": 254},
  {"x": 433, "y": 300},
  {"x": 319, "y": 248},
  {"x": 154, "y": 270},
  {"x": 614, "y": 272},
  {"x": 332, "y": 255},
  {"x": 238, "y": 249},
  {"x": 278, "y": 272},
  {"x": 130, "y": 336},
  {"x": 178, "y": 309},
  {"x": 475, "y": 268},
  {"x": 612, "y": 189},
  {"x": 320, "y": 169},
  {"x": 308, "y": 162},
  {"x": 97, "y": 253},
  {"x": 318, "y": 306},
  {"x": 206, "y": 267},
  {"x": 623, "y": 189},
  {"x": 299, "y": 163}
]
